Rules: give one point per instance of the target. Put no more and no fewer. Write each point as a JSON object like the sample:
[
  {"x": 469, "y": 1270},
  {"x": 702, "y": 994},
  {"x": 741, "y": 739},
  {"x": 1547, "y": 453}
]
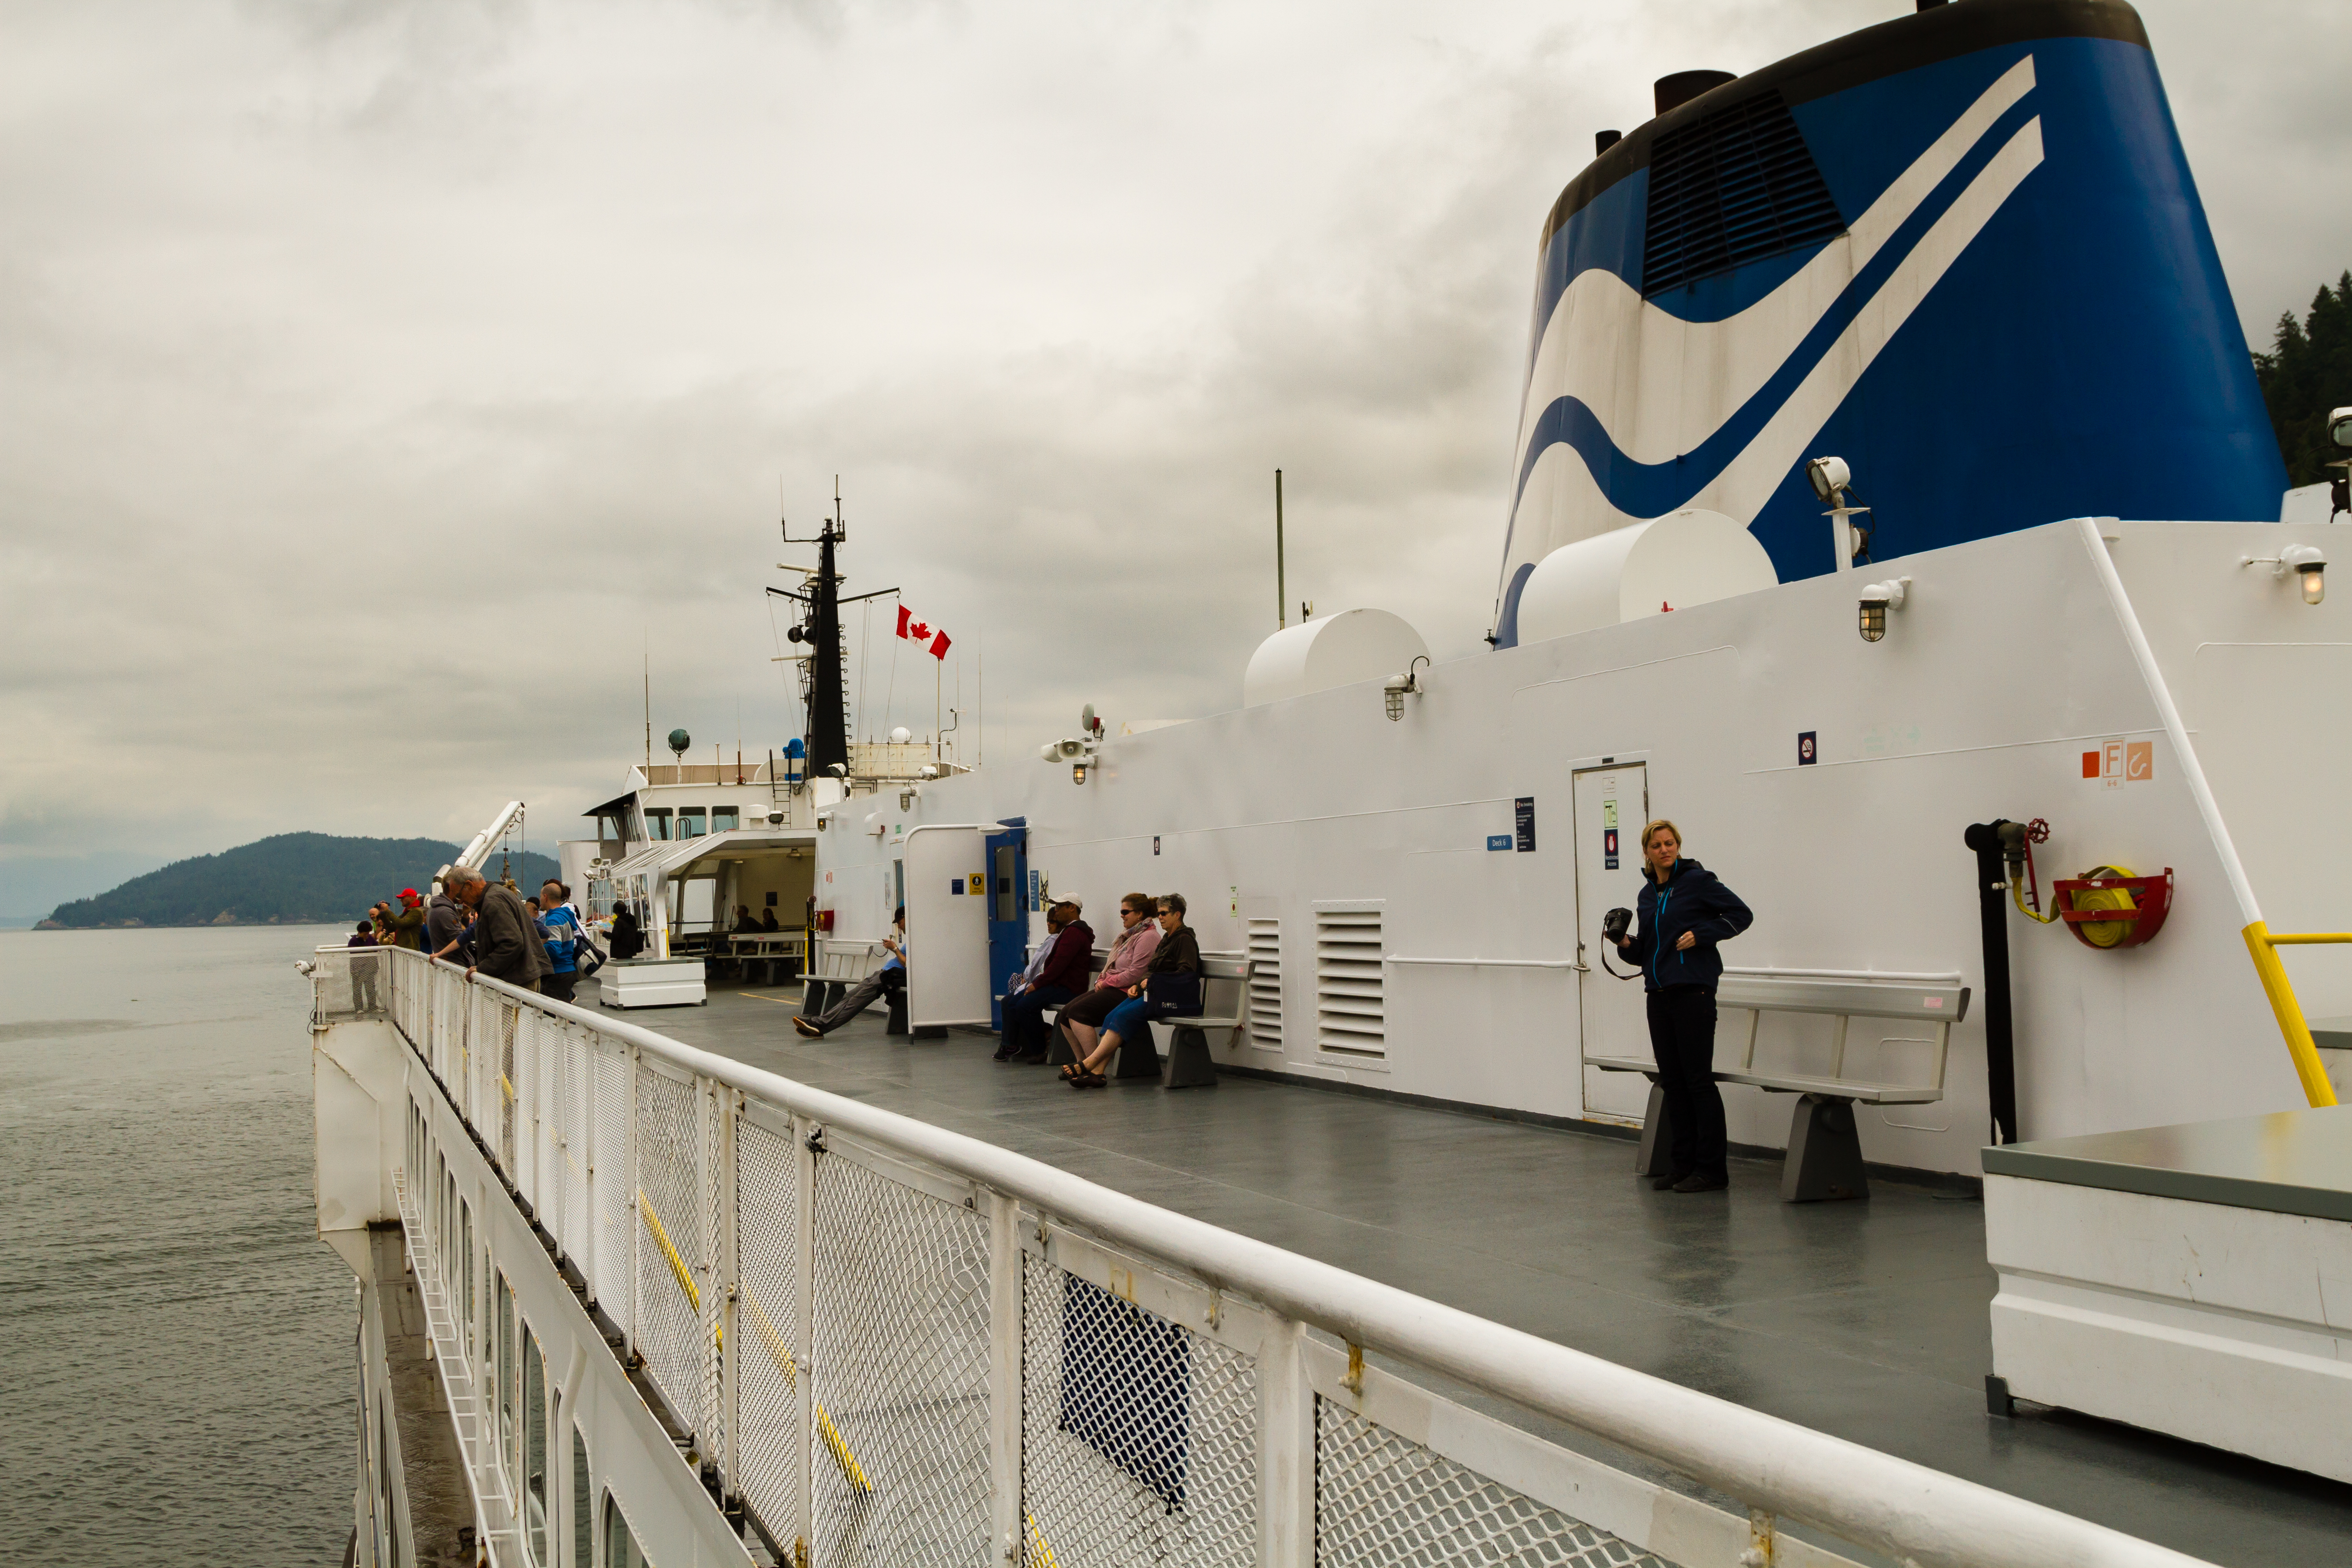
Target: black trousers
[
  {"x": 861, "y": 996},
  {"x": 1024, "y": 1022},
  {"x": 559, "y": 985},
  {"x": 1681, "y": 1038}
]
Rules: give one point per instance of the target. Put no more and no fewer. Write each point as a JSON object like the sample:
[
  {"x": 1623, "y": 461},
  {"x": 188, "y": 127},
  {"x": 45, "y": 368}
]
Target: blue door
[{"x": 1008, "y": 914}]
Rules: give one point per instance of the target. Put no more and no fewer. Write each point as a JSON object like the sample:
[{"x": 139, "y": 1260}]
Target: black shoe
[
  {"x": 1003, "y": 1054},
  {"x": 1662, "y": 1183},
  {"x": 1696, "y": 1182}
]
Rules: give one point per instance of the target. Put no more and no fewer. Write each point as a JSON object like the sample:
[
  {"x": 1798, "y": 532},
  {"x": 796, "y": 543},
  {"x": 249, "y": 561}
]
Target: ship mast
[{"x": 824, "y": 687}]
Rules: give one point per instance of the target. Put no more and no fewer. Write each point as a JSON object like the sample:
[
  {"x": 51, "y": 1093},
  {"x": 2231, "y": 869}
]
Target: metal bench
[
  {"x": 1825, "y": 1151},
  {"x": 837, "y": 966}
]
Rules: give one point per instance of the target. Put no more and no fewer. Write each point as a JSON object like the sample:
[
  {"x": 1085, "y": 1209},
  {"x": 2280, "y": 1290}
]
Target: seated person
[
  {"x": 768, "y": 919},
  {"x": 1057, "y": 973},
  {"x": 1130, "y": 955},
  {"x": 891, "y": 976},
  {"x": 743, "y": 920},
  {"x": 1170, "y": 988}
]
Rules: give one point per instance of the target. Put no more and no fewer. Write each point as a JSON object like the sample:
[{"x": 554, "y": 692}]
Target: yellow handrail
[
  {"x": 771, "y": 1341},
  {"x": 2300, "y": 1045}
]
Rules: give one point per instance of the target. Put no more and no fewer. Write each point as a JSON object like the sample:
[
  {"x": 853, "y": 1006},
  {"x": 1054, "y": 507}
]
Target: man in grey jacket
[{"x": 506, "y": 943}]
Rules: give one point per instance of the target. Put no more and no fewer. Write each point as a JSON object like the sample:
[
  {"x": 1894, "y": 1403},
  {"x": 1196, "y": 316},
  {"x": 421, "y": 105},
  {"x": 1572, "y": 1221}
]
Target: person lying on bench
[
  {"x": 1057, "y": 973},
  {"x": 1684, "y": 913},
  {"x": 1170, "y": 988},
  {"x": 1131, "y": 957},
  {"x": 889, "y": 977}
]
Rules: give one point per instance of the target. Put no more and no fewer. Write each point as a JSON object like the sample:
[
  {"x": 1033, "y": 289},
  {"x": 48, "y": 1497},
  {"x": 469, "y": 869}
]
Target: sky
[{"x": 385, "y": 387}]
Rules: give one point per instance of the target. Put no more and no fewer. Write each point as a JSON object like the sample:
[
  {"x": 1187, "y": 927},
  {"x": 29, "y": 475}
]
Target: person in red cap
[{"x": 408, "y": 925}]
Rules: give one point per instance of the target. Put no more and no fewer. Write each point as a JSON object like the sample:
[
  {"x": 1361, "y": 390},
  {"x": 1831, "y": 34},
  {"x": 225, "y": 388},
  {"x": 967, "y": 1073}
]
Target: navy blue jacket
[{"x": 1691, "y": 899}]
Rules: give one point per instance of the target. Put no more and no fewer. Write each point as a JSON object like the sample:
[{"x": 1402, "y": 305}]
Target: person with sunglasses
[{"x": 1171, "y": 987}]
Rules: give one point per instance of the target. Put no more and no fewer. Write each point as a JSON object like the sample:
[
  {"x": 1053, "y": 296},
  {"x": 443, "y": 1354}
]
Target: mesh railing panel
[
  {"x": 670, "y": 1278},
  {"x": 615, "y": 1201},
  {"x": 710, "y": 1200},
  {"x": 1138, "y": 1437},
  {"x": 578, "y": 1148},
  {"x": 769, "y": 1438},
  {"x": 900, "y": 1374},
  {"x": 1382, "y": 1500},
  {"x": 349, "y": 983},
  {"x": 501, "y": 1020},
  {"x": 529, "y": 1074}
]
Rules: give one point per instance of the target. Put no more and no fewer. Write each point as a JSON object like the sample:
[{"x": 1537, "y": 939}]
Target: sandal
[
  {"x": 1086, "y": 1080},
  {"x": 1072, "y": 1071}
]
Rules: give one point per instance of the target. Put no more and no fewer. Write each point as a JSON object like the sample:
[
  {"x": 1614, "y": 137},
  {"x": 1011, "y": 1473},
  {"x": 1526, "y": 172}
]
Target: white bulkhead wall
[{"x": 2003, "y": 666}]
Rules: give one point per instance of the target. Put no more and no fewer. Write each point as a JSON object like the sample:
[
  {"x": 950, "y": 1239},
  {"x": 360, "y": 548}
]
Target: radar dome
[{"x": 680, "y": 740}]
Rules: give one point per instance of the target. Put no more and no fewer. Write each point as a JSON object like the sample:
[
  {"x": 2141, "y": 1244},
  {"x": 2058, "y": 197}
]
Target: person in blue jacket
[{"x": 1683, "y": 914}]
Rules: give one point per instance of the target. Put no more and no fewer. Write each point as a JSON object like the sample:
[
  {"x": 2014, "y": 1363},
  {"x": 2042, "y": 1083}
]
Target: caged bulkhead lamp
[
  {"x": 1877, "y": 600},
  {"x": 1397, "y": 687},
  {"x": 2307, "y": 562}
]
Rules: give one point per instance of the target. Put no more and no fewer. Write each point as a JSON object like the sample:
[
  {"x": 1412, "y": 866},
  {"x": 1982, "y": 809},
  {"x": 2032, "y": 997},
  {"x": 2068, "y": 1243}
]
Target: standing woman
[{"x": 1683, "y": 912}]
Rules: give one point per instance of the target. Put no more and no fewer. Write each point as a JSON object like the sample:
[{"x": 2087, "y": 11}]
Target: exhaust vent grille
[
  {"x": 1732, "y": 187},
  {"x": 1266, "y": 983},
  {"x": 1351, "y": 1010}
]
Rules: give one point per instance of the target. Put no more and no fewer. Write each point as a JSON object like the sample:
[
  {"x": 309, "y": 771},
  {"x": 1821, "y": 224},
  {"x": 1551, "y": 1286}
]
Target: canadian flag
[{"x": 914, "y": 630}]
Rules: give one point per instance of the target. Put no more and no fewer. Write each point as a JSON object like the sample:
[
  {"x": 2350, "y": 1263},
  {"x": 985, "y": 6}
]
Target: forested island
[{"x": 290, "y": 878}]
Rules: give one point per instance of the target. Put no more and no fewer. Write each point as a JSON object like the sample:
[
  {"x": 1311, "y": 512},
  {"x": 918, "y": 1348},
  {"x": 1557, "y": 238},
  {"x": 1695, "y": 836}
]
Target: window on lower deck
[
  {"x": 584, "y": 1514},
  {"x": 534, "y": 1447},
  {"x": 621, "y": 1548}
]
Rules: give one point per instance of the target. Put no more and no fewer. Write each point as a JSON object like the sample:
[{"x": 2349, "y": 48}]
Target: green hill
[{"x": 292, "y": 878}]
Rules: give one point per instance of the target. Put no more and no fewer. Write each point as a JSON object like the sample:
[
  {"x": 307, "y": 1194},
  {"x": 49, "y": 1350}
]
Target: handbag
[{"x": 1173, "y": 995}]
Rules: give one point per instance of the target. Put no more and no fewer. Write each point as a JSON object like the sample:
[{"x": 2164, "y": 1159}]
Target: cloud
[{"x": 387, "y": 382}]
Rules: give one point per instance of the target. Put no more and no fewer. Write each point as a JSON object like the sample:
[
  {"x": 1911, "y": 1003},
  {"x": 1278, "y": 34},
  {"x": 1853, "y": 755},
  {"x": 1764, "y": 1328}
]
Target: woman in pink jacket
[{"x": 1130, "y": 956}]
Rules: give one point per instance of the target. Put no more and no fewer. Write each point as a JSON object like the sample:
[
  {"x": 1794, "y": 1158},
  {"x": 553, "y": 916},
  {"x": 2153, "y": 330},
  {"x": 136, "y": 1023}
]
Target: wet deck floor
[{"x": 1867, "y": 1321}]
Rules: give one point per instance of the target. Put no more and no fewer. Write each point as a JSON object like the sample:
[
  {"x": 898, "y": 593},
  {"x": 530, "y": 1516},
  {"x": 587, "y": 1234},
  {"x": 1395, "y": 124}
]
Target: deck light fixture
[
  {"x": 1397, "y": 687},
  {"x": 1877, "y": 600},
  {"x": 1079, "y": 771},
  {"x": 1829, "y": 477},
  {"x": 2307, "y": 562}
]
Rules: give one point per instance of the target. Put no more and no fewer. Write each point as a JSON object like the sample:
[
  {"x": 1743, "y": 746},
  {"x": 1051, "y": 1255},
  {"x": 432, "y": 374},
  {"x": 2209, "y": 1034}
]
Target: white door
[
  {"x": 947, "y": 927},
  {"x": 1612, "y": 804}
]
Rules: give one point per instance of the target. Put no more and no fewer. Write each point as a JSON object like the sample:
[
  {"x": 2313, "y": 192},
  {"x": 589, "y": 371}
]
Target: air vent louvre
[
  {"x": 1266, "y": 983},
  {"x": 1350, "y": 1008},
  {"x": 1732, "y": 187}
]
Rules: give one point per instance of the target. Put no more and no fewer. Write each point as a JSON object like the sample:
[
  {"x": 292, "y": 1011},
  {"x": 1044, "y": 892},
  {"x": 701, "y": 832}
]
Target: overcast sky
[{"x": 376, "y": 379}]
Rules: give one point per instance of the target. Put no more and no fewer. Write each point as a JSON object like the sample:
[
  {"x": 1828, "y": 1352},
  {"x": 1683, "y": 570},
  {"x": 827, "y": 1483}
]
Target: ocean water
[{"x": 177, "y": 1381}]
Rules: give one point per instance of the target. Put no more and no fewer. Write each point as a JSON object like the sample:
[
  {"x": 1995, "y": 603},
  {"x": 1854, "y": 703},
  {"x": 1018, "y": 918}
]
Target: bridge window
[
  {"x": 656, "y": 822},
  {"x": 583, "y": 1514},
  {"x": 725, "y": 818},
  {"x": 621, "y": 1548},
  {"x": 534, "y": 1447},
  {"x": 689, "y": 822}
]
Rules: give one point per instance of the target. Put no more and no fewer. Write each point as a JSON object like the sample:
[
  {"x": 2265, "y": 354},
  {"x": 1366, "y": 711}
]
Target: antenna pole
[
  {"x": 649, "y": 704},
  {"x": 1281, "y": 596}
]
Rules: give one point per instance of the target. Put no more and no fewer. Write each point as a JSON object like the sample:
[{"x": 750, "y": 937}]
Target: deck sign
[
  {"x": 1808, "y": 750},
  {"x": 1608, "y": 847},
  {"x": 1523, "y": 821},
  {"x": 1498, "y": 841}
]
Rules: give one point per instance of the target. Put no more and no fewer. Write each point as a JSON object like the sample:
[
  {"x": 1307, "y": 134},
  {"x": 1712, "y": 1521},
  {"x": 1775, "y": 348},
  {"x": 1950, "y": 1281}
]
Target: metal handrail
[
  {"x": 1773, "y": 1467},
  {"x": 2264, "y": 944}
]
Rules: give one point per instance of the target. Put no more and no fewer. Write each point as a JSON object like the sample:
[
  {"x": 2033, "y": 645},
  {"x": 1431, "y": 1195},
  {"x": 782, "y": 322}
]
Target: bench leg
[
  {"x": 1824, "y": 1152},
  {"x": 1656, "y": 1156},
  {"x": 816, "y": 999},
  {"x": 1137, "y": 1058},
  {"x": 897, "y": 1024},
  {"x": 1058, "y": 1046},
  {"x": 1189, "y": 1065}
]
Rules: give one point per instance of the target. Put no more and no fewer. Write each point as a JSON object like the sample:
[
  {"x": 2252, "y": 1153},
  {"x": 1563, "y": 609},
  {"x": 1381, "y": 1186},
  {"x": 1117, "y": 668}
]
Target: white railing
[{"x": 901, "y": 1344}]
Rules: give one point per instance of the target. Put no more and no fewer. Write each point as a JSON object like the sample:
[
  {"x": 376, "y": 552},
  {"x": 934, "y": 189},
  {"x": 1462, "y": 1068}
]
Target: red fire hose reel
[{"x": 2110, "y": 907}]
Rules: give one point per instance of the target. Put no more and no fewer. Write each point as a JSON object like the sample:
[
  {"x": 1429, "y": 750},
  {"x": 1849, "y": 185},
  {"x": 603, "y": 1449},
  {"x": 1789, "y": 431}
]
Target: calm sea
[{"x": 176, "y": 1371}]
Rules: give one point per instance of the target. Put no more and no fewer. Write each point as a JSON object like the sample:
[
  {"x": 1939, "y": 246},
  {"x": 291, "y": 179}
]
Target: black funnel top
[{"x": 1674, "y": 91}]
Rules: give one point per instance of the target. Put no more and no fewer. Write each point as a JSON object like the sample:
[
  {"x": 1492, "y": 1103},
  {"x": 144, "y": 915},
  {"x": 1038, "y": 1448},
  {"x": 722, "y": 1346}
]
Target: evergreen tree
[{"x": 2308, "y": 372}]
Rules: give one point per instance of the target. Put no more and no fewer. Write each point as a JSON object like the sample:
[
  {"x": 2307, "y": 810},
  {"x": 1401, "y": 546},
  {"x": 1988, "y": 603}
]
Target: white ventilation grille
[
  {"x": 1266, "y": 983},
  {"x": 1350, "y": 1015}
]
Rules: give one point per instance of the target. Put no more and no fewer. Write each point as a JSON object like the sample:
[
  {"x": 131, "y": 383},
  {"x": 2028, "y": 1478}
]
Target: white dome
[
  {"x": 899, "y": 736},
  {"x": 1686, "y": 558},
  {"x": 1330, "y": 651}
]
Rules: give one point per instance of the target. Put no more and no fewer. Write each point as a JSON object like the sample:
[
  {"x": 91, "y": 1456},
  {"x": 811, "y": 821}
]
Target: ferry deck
[{"x": 1867, "y": 1321}]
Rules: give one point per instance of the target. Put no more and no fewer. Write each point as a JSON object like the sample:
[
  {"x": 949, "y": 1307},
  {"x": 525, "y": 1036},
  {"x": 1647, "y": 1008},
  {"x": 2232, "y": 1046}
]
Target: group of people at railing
[
  {"x": 1153, "y": 971},
  {"x": 540, "y": 944}
]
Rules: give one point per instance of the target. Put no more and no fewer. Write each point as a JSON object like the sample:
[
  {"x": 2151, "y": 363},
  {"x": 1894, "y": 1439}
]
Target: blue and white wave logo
[{"x": 1632, "y": 412}]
